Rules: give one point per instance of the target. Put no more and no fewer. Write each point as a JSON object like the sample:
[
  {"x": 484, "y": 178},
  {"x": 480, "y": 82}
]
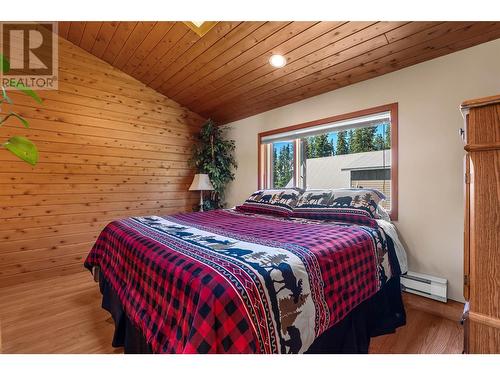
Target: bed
[{"x": 228, "y": 281}]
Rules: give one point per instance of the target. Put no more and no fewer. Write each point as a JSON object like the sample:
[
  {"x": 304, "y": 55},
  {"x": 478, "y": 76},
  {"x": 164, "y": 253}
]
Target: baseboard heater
[{"x": 425, "y": 285}]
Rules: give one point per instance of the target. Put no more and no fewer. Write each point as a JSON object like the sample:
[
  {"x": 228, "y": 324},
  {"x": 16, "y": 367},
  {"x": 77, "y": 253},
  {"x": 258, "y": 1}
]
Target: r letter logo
[{"x": 30, "y": 50}]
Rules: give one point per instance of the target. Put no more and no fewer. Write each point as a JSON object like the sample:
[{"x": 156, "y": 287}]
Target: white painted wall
[{"x": 430, "y": 150}]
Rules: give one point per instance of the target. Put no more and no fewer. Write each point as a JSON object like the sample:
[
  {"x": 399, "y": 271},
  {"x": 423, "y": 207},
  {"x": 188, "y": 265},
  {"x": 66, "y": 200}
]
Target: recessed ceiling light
[{"x": 278, "y": 61}]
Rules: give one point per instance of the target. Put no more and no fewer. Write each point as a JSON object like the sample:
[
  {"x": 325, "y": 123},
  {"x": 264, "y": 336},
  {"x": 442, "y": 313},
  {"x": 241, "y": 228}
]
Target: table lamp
[{"x": 201, "y": 182}]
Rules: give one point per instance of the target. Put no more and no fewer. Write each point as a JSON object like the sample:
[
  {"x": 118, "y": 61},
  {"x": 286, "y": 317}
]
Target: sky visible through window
[{"x": 331, "y": 137}]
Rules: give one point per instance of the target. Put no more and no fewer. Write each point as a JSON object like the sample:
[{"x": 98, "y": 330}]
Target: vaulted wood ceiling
[{"x": 225, "y": 74}]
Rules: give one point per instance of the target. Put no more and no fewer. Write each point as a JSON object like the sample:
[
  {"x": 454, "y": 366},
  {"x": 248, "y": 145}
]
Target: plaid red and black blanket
[{"x": 231, "y": 282}]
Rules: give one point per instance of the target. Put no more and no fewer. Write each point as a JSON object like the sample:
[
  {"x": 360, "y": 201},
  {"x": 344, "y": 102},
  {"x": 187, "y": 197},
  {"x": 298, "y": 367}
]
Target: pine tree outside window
[{"x": 282, "y": 165}]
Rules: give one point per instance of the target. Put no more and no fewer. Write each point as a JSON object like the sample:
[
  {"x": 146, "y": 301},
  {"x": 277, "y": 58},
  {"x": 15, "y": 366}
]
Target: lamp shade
[{"x": 201, "y": 182}]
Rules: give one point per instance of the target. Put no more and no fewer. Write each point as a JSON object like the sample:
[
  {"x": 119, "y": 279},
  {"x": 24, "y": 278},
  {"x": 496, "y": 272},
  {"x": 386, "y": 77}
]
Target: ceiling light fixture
[
  {"x": 278, "y": 61},
  {"x": 200, "y": 27}
]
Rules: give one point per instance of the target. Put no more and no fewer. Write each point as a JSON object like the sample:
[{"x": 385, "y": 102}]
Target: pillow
[
  {"x": 357, "y": 206},
  {"x": 272, "y": 201}
]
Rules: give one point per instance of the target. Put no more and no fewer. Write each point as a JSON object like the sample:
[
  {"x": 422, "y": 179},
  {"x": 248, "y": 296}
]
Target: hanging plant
[
  {"x": 22, "y": 147},
  {"x": 213, "y": 154}
]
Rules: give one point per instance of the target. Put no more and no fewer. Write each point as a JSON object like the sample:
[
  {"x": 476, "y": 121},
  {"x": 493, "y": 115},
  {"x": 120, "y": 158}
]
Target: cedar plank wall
[{"x": 110, "y": 147}]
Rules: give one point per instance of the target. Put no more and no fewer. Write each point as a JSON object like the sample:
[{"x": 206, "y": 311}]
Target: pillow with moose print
[
  {"x": 272, "y": 201},
  {"x": 357, "y": 206}
]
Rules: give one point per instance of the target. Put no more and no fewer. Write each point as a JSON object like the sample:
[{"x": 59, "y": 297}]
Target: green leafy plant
[
  {"x": 213, "y": 154},
  {"x": 22, "y": 147}
]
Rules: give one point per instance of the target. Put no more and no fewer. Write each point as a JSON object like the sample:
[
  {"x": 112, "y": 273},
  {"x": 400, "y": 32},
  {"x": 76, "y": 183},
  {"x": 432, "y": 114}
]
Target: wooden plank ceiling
[{"x": 225, "y": 74}]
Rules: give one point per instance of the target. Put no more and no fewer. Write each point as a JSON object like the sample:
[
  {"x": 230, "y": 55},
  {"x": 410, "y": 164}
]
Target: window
[{"x": 353, "y": 150}]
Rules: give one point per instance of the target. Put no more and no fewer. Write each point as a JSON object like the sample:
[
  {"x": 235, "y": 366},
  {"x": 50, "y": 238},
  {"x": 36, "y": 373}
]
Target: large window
[{"x": 353, "y": 150}]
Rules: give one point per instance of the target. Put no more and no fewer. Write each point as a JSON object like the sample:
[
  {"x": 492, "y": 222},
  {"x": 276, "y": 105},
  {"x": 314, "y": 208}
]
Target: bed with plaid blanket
[{"x": 231, "y": 282}]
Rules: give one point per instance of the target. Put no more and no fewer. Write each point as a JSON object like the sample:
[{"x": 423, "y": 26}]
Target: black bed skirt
[{"x": 379, "y": 315}]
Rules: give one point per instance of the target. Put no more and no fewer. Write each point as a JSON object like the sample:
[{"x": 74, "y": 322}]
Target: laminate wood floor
[{"x": 64, "y": 315}]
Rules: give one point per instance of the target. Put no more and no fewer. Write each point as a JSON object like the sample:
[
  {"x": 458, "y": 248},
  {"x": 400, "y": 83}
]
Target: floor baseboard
[{"x": 451, "y": 310}]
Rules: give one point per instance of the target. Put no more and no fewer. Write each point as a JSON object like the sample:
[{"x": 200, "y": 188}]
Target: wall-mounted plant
[
  {"x": 213, "y": 154},
  {"x": 22, "y": 147}
]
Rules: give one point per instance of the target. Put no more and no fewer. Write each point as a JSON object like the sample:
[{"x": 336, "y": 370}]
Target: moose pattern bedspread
[{"x": 231, "y": 282}]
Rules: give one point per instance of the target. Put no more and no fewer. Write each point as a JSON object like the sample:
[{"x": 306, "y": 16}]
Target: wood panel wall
[{"x": 110, "y": 147}]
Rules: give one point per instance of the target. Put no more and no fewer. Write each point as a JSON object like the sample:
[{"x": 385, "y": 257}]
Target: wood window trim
[{"x": 392, "y": 108}]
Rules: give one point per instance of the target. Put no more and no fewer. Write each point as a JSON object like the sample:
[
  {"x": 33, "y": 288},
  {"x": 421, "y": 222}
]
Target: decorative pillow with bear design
[
  {"x": 357, "y": 206},
  {"x": 272, "y": 201}
]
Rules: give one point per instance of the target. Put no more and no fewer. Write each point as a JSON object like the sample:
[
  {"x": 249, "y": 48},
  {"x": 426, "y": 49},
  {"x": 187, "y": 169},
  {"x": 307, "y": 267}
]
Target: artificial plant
[
  {"x": 213, "y": 154},
  {"x": 20, "y": 146}
]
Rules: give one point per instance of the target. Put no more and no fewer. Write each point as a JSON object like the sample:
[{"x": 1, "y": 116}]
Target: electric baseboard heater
[{"x": 425, "y": 285}]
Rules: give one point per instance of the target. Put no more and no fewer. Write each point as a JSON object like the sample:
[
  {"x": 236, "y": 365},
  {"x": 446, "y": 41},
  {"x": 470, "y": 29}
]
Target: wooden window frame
[{"x": 392, "y": 108}]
